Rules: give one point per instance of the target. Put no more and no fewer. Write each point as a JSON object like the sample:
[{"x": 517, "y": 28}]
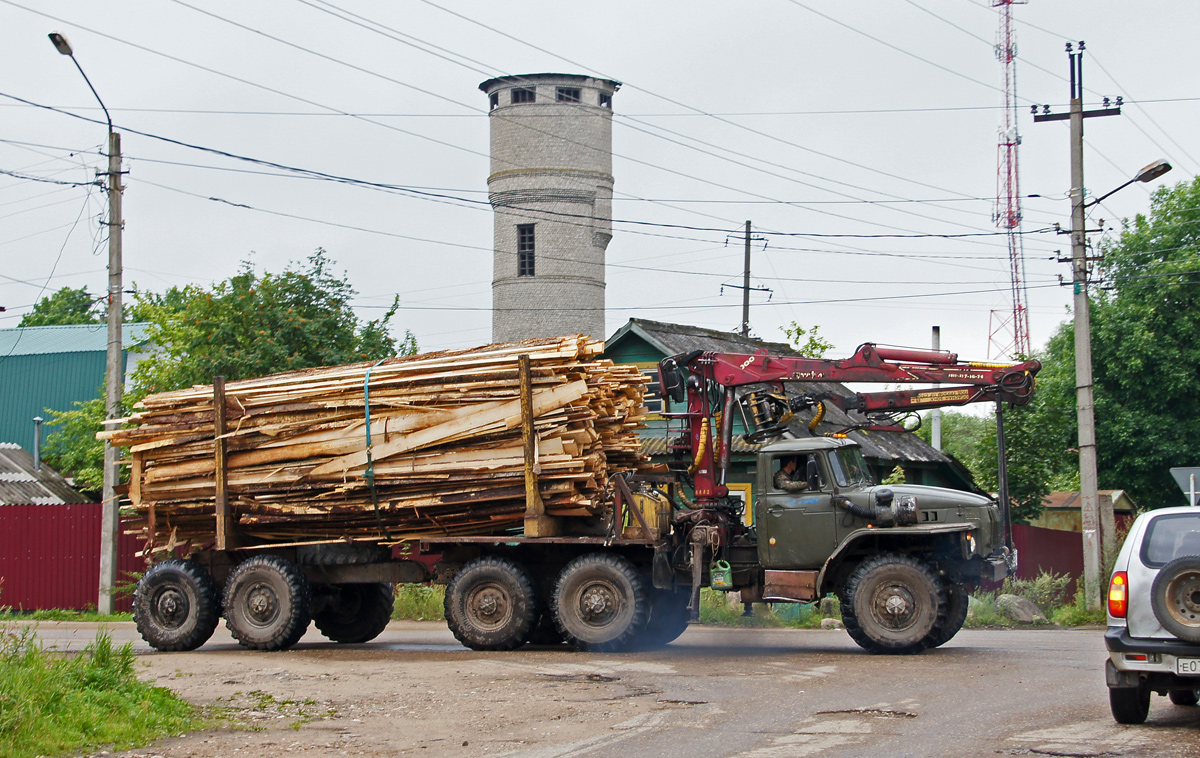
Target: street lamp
[
  {"x": 113, "y": 384},
  {"x": 1147, "y": 174}
]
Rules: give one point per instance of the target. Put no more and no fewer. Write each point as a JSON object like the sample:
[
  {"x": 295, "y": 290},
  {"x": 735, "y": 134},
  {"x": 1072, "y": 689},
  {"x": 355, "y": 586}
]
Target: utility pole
[
  {"x": 1084, "y": 396},
  {"x": 935, "y": 432},
  {"x": 114, "y": 374},
  {"x": 746, "y": 287}
]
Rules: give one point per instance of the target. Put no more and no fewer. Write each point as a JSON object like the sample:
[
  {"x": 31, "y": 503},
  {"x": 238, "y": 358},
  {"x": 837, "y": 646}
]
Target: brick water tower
[{"x": 551, "y": 191}]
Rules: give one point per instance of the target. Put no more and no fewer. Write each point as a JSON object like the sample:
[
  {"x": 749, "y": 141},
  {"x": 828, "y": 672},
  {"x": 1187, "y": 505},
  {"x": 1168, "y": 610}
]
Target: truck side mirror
[{"x": 813, "y": 474}]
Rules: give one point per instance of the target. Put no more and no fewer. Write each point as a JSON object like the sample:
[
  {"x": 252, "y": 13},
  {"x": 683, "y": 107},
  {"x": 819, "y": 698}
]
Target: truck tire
[
  {"x": 892, "y": 603},
  {"x": 176, "y": 605},
  {"x": 957, "y": 605},
  {"x": 668, "y": 618},
  {"x": 491, "y": 604},
  {"x": 1175, "y": 597},
  {"x": 357, "y": 612},
  {"x": 600, "y": 603},
  {"x": 267, "y": 603},
  {"x": 1184, "y": 697},
  {"x": 341, "y": 554},
  {"x": 1129, "y": 705}
]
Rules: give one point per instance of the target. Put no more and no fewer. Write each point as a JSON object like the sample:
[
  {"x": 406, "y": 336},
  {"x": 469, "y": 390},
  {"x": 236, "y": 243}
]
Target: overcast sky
[{"x": 873, "y": 120}]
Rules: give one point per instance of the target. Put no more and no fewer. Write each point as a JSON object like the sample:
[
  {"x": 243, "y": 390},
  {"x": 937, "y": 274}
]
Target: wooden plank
[
  {"x": 537, "y": 523},
  {"x": 224, "y": 528}
]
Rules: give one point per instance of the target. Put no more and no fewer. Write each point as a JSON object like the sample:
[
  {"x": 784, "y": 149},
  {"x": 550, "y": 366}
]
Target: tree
[
  {"x": 66, "y": 306},
  {"x": 253, "y": 325},
  {"x": 249, "y": 325},
  {"x": 808, "y": 342}
]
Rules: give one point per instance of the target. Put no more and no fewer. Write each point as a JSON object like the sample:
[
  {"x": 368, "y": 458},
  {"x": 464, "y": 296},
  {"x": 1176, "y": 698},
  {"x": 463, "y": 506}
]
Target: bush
[
  {"x": 420, "y": 602},
  {"x": 51, "y": 703},
  {"x": 1078, "y": 614},
  {"x": 984, "y": 612},
  {"x": 1047, "y": 591},
  {"x": 720, "y": 609}
]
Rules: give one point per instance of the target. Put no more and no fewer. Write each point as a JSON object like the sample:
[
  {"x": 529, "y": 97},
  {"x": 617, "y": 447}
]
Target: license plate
[{"x": 1187, "y": 666}]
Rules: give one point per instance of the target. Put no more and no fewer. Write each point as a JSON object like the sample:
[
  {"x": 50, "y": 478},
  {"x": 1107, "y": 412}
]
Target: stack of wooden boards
[{"x": 446, "y": 447}]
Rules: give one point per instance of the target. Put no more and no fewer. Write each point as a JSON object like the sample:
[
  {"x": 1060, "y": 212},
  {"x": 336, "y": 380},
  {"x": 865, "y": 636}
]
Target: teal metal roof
[{"x": 76, "y": 338}]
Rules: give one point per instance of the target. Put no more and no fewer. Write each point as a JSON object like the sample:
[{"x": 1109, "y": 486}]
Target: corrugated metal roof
[
  {"x": 673, "y": 339},
  {"x": 73, "y": 338},
  {"x": 21, "y": 484}
]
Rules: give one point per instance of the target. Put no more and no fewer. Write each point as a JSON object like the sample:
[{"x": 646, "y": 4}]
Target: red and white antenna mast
[{"x": 1010, "y": 337}]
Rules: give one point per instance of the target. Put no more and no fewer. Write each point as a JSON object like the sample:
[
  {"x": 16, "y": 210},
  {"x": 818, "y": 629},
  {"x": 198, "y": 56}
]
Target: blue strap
[{"x": 370, "y": 473}]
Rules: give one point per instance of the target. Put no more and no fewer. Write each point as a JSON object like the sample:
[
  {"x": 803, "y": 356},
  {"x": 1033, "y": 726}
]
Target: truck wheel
[
  {"x": 1129, "y": 705},
  {"x": 892, "y": 604},
  {"x": 341, "y": 554},
  {"x": 267, "y": 603},
  {"x": 491, "y": 604},
  {"x": 957, "y": 604},
  {"x": 176, "y": 605},
  {"x": 600, "y": 603},
  {"x": 1184, "y": 697},
  {"x": 668, "y": 618},
  {"x": 357, "y": 612},
  {"x": 1175, "y": 597}
]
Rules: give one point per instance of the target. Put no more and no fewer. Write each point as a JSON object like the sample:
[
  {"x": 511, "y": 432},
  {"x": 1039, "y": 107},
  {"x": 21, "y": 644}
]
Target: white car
[{"x": 1153, "y": 636}]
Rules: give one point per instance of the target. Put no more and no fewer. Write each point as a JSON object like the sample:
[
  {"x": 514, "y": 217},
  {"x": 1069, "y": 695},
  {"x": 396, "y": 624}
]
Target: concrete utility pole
[
  {"x": 1093, "y": 534},
  {"x": 114, "y": 374},
  {"x": 746, "y": 287}
]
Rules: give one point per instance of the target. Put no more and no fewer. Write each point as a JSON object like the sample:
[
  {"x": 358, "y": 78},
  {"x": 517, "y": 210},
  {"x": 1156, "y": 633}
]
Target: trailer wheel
[
  {"x": 600, "y": 603},
  {"x": 341, "y": 554},
  {"x": 892, "y": 604},
  {"x": 176, "y": 605},
  {"x": 357, "y": 612},
  {"x": 491, "y": 604},
  {"x": 1129, "y": 705},
  {"x": 957, "y": 604},
  {"x": 267, "y": 603},
  {"x": 1175, "y": 597},
  {"x": 668, "y": 618}
]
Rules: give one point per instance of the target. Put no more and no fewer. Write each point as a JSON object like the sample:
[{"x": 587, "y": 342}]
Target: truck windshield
[{"x": 849, "y": 468}]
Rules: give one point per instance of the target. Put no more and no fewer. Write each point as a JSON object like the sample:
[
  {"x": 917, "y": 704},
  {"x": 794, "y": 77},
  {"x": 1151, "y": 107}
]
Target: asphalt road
[{"x": 715, "y": 692}]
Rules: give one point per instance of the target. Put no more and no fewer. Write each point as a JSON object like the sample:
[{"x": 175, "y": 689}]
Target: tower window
[
  {"x": 494, "y": 99},
  {"x": 522, "y": 96},
  {"x": 525, "y": 249},
  {"x": 568, "y": 95},
  {"x": 605, "y": 100}
]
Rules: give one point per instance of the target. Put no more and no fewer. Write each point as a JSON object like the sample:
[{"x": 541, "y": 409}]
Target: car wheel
[
  {"x": 1184, "y": 697},
  {"x": 1175, "y": 597},
  {"x": 1129, "y": 705}
]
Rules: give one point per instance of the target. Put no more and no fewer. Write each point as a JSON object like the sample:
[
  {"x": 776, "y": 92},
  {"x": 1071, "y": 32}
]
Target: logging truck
[{"x": 626, "y": 571}]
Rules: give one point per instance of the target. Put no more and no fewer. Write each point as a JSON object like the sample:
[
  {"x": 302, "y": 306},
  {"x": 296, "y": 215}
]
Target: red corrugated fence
[{"x": 50, "y": 556}]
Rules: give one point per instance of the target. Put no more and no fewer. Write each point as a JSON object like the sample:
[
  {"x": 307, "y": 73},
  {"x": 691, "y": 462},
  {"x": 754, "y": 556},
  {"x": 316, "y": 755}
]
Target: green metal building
[{"x": 54, "y": 367}]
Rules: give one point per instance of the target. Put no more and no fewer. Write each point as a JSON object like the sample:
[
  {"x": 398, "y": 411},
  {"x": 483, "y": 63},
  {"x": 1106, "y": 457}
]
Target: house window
[
  {"x": 653, "y": 399},
  {"x": 605, "y": 100},
  {"x": 525, "y": 249},
  {"x": 494, "y": 100},
  {"x": 522, "y": 96},
  {"x": 568, "y": 95}
]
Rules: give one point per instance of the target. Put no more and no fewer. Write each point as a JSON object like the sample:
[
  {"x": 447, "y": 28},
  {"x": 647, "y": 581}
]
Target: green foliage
[
  {"x": 721, "y": 609},
  {"x": 896, "y": 477},
  {"x": 808, "y": 342},
  {"x": 1047, "y": 590},
  {"x": 253, "y": 325},
  {"x": 71, "y": 703},
  {"x": 1077, "y": 613},
  {"x": 67, "y": 306},
  {"x": 73, "y": 449},
  {"x": 984, "y": 612},
  {"x": 420, "y": 602}
]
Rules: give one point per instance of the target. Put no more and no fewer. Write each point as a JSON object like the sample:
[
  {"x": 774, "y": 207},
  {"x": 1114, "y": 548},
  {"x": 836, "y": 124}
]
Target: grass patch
[
  {"x": 54, "y": 703},
  {"x": 61, "y": 614},
  {"x": 420, "y": 602},
  {"x": 715, "y": 609},
  {"x": 1078, "y": 614}
]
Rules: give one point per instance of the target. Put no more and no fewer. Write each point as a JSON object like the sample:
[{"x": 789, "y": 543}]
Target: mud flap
[{"x": 1116, "y": 678}]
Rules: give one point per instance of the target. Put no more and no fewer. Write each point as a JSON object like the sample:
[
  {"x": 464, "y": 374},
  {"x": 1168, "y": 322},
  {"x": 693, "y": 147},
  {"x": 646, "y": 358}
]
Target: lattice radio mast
[{"x": 1010, "y": 336}]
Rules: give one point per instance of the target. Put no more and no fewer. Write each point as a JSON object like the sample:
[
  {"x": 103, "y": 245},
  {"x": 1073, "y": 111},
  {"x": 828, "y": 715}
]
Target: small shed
[
  {"x": 50, "y": 539},
  {"x": 1063, "y": 512}
]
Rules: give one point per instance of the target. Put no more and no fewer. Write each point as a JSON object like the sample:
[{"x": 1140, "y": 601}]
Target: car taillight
[{"x": 1118, "y": 595}]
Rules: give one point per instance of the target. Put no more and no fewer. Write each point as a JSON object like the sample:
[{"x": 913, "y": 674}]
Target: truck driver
[{"x": 789, "y": 478}]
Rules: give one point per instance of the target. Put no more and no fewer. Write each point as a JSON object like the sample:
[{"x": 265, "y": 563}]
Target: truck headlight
[{"x": 970, "y": 544}]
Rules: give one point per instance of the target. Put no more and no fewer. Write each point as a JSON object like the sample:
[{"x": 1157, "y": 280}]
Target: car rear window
[{"x": 1168, "y": 537}]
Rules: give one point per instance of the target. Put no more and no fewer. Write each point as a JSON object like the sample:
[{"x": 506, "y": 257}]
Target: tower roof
[{"x": 491, "y": 84}]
